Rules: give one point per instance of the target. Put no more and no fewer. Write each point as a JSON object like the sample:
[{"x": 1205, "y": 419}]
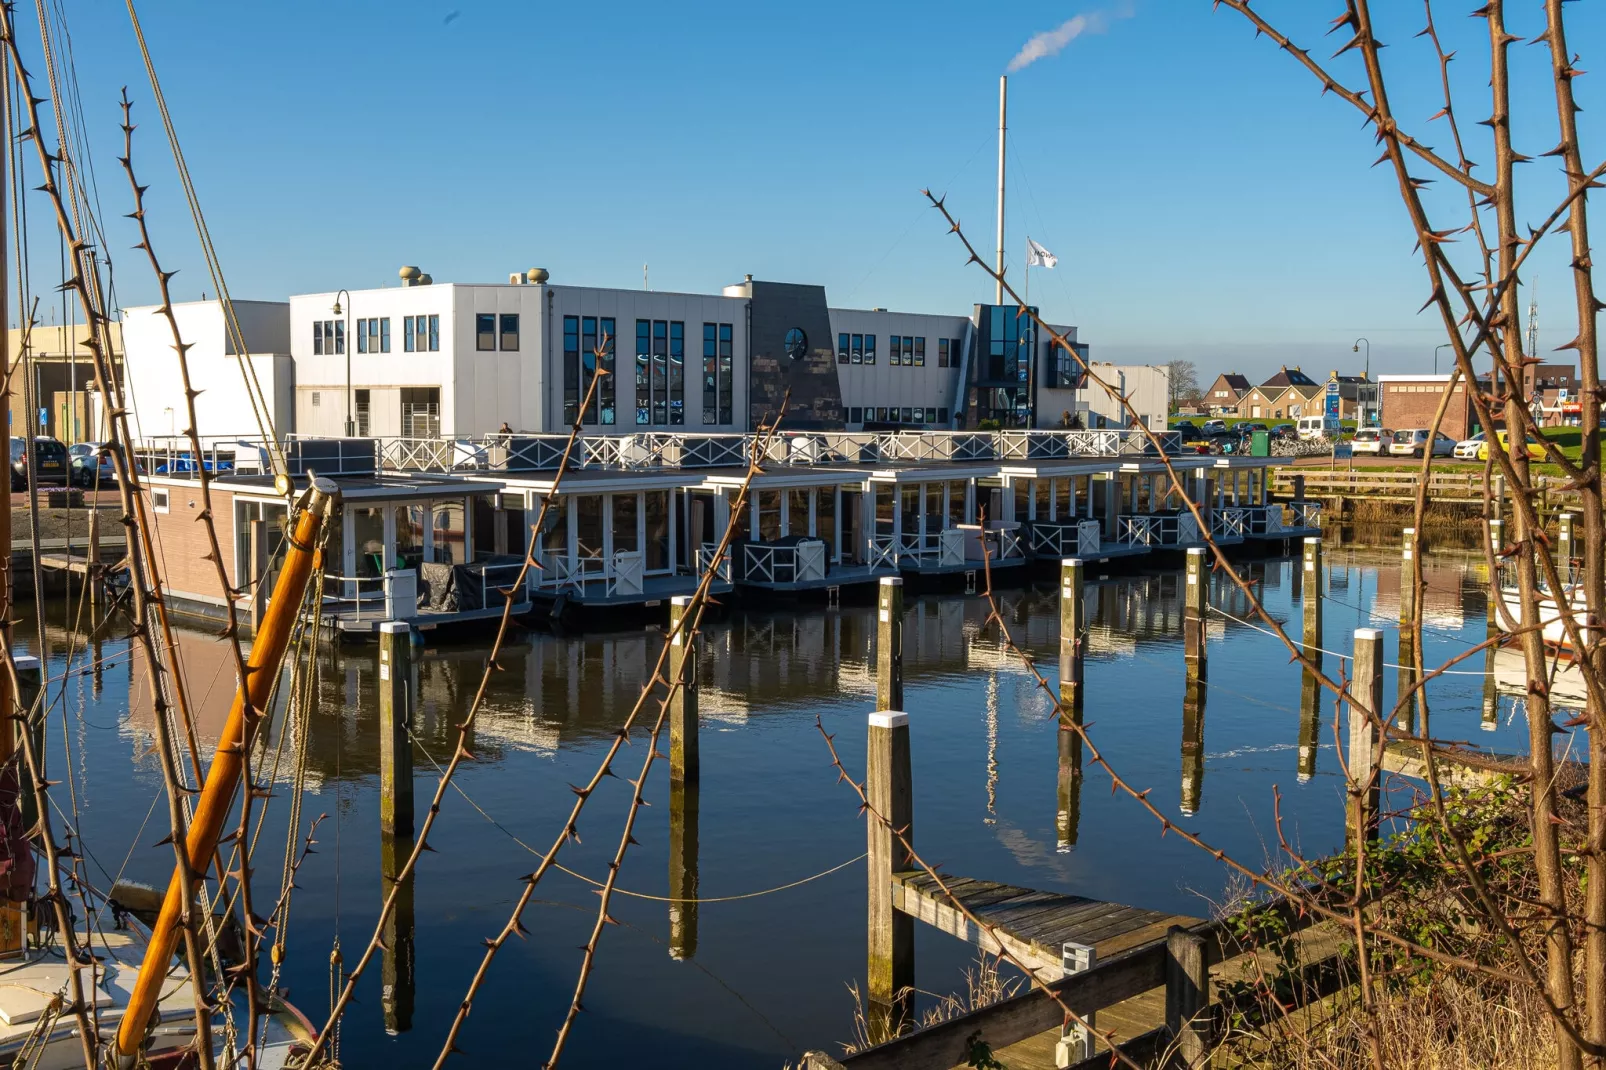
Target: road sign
[{"x": 1332, "y": 398}]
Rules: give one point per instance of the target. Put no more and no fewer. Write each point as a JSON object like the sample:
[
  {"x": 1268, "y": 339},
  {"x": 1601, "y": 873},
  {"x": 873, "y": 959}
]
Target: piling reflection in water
[
  {"x": 1193, "y": 714},
  {"x": 396, "y": 966},
  {"x": 1310, "y": 724},
  {"x": 683, "y": 803}
]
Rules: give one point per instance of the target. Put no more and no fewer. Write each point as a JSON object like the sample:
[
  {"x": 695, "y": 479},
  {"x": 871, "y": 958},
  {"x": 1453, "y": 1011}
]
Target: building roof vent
[
  {"x": 537, "y": 276},
  {"x": 423, "y": 280},
  {"x": 515, "y": 278},
  {"x": 409, "y": 275}
]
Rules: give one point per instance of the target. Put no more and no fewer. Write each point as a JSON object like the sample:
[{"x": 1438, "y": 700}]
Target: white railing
[
  {"x": 1306, "y": 514},
  {"x": 172, "y": 455},
  {"x": 432, "y": 454},
  {"x": 1265, "y": 519},
  {"x": 364, "y": 595},
  {"x": 1230, "y": 523},
  {"x": 802, "y": 562},
  {"x": 705, "y": 561},
  {"x": 1157, "y": 529},
  {"x": 1032, "y": 445},
  {"x": 494, "y": 579},
  {"x": 621, "y": 575},
  {"x": 884, "y": 551},
  {"x": 1065, "y": 538}
]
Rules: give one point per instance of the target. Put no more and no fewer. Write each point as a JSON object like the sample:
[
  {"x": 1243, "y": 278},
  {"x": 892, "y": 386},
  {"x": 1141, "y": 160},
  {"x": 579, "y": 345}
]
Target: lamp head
[
  {"x": 336, "y": 308},
  {"x": 1356, "y": 348}
]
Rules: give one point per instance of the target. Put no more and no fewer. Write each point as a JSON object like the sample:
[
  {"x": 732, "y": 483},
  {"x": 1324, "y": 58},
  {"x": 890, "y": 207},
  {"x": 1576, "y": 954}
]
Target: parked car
[
  {"x": 90, "y": 465},
  {"x": 49, "y": 461},
  {"x": 1536, "y": 452},
  {"x": 1213, "y": 427},
  {"x": 1416, "y": 441},
  {"x": 1283, "y": 431},
  {"x": 1467, "y": 449},
  {"x": 1245, "y": 429},
  {"x": 1189, "y": 430},
  {"x": 1373, "y": 440}
]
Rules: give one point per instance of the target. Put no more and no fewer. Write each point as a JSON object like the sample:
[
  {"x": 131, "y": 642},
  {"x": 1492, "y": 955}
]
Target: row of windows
[
  {"x": 493, "y": 332},
  {"x": 328, "y": 337},
  {"x": 908, "y": 350},
  {"x": 421, "y": 334},
  {"x": 1422, "y": 388},
  {"x": 373, "y": 335},
  {"x": 660, "y": 375},
  {"x": 893, "y": 414}
]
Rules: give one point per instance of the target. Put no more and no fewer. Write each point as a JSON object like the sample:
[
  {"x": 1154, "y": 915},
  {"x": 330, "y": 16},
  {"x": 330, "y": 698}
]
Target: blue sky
[{"x": 1204, "y": 199}]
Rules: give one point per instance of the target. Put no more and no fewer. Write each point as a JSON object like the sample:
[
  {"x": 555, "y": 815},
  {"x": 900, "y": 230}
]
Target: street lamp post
[
  {"x": 1442, "y": 345},
  {"x": 345, "y": 343},
  {"x": 1367, "y": 374}
]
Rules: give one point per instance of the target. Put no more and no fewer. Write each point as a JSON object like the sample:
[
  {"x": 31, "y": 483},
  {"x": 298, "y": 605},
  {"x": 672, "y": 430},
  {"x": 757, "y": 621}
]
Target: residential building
[
  {"x": 1224, "y": 394},
  {"x": 223, "y": 406},
  {"x": 1409, "y": 401},
  {"x": 53, "y": 389},
  {"x": 1287, "y": 395}
]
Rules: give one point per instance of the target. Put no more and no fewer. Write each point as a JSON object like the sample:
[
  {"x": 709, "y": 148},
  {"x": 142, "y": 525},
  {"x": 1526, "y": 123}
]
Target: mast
[
  {"x": 223, "y": 778},
  {"x": 10, "y": 781},
  {"x": 1003, "y": 111}
]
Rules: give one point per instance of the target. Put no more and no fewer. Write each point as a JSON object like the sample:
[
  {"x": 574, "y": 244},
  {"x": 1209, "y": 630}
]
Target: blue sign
[{"x": 1332, "y": 399}]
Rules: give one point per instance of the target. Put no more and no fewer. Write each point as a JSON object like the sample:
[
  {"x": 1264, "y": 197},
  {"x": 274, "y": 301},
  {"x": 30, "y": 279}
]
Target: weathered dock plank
[{"x": 1032, "y": 925}]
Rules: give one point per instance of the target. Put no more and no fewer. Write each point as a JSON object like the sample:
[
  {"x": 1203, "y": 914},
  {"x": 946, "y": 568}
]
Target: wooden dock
[{"x": 1033, "y": 926}]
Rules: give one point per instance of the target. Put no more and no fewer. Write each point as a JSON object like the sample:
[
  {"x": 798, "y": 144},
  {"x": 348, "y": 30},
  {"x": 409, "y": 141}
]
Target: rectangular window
[
  {"x": 434, "y": 334},
  {"x": 858, "y": 349},
  {"x": 571, "y": 369},
  {"x": 362, "y": 336},
  {"x": 841, "y": 348},
  {"x": 677, "y": 373},
  {"x": 895, "y": 349},
  {"x": 643, "y": 371},
  {"x": 339, "y": 333},
  {"x": 363, "y": 400},
  {"x": 942, "y": 352},
  {"x": 920, "y": 352},
  {"x": 317, "y": 338},
  {"x": 607, "y": 394},
  {"x": 907, "y": 418},
  {"x": 908, "y": 350},
  {"x": 711, "y": 370},
  {"x": 942, "y": 416},
  {"x": 485, "y": 331},
  {"x": 421, "y": 412},
  {"x": 407, "y": 334},
  {"x": 660, "y": 372},
  {"x": 159, "y": 499},
  {"x": 384, "y": 335},
  {"x": 510, "y": 332},
  {"x": 726, "y": 375},
  {"x": 869, "y": 349},
  {"x": 931, "y": 414},
  {"x": 881, "y": 413},
  {"x": 588, "y": 365},
  {"x": 856, "y": 415}
]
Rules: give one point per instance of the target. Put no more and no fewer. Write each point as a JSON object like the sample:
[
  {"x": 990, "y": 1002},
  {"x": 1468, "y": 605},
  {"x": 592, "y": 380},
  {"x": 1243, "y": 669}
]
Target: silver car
[{"x": 1420, "y": 441}]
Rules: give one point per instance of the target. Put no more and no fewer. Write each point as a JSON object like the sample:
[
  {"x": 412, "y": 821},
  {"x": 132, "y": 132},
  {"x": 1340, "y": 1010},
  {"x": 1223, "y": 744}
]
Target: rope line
[
  {"x": 1347, "y": 657},
  {"x": 621, "y": 891}
]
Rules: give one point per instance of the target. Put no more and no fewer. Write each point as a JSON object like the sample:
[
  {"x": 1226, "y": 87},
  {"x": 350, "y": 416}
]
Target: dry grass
[{"x": 983, "y": 986}]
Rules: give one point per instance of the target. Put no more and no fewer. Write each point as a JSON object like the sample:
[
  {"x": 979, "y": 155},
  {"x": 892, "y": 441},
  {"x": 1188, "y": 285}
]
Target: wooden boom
[{"x": 223, "y": 778}]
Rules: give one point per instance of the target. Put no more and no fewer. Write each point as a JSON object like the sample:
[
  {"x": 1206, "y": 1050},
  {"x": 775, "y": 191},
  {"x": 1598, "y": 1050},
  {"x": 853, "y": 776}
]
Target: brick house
[
  {"x": 1223, "y": 396},
  {"x": 1287, "y": 395},
  {"x": 1409, "y": 401}
]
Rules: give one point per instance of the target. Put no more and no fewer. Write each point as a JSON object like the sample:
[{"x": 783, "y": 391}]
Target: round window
[{"x": 797, "y": 343}]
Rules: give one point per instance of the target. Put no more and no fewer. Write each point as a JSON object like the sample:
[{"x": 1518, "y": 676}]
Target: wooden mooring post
[
  {"x": 889, "y": 644},
  {"x": 1187, "y": 991},
  {"x": 94, "y": 573},
  {"x": 888, "y": 785},
  {"x": 395, "y": 724},
  {"x": 684, "y": 758},
  {"x": 1195, "y": 599},
  {"x": 1311, "y": 567},
  {"x": 1366, "y": 685},
  {"x": 1072, "y": 626},
  {"x": 1565, "y": 547}
]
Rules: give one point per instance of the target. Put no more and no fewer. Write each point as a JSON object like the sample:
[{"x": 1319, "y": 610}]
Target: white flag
[{"x": 1037, "y": 256}]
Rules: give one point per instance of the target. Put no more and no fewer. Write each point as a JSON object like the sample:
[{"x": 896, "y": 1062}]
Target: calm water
[{"x": 765, "y": 977}]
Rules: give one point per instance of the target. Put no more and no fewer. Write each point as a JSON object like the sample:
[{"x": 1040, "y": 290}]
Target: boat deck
[
  {"x": 654, "y": 590},
  {"x": 838, "y": 576}
]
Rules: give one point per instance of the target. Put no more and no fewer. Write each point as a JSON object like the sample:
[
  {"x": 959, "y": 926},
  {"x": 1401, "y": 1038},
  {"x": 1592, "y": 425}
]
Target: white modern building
[
  {"x": 450, "y": 360},
  {"x": 155, "y": 385}
]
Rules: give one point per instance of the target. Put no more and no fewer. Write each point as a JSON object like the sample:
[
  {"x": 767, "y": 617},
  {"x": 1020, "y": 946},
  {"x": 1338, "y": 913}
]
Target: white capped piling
[
  {"x": 684, "y": 761},
  {"x": 889, "y": 644},
  {"x": 1072, "y": 626},
  {"x": 889, "y": 788},
  {"x": 1407, "y": 575},
  {"x": 1311, "y": 568},
  {"x": 1566, "y": 548},
  {"x": 395, "y": 724},
  {"x": 1366, "y": 688},
  {"x": 1195, "y": 597}
]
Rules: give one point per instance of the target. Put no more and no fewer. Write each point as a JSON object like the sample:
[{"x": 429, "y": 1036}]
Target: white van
[{"x": 1319, "y": 427}]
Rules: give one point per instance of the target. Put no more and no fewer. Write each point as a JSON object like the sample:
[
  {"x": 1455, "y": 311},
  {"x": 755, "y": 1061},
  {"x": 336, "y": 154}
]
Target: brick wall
[
  {"x": 1408, "y": 404},
  {"x": 181, "y": 543}
]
